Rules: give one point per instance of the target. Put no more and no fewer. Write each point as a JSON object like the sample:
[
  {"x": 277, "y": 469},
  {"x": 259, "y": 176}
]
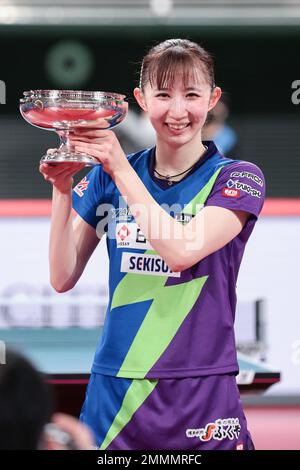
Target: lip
[{"x": 178, "y": 130}]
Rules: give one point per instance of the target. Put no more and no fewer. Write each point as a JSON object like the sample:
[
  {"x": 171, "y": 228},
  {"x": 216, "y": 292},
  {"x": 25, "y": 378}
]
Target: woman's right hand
[
  {"x": 75, "y": 434},
  {"x": 60, "y": 175}
]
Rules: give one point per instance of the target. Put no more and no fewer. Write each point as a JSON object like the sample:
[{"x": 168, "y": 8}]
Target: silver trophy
[{"x": 64, "y": 111}]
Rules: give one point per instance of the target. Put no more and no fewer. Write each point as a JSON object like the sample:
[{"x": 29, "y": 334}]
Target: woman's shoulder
[
  {"x": 242, "y": 168},
  {"x": 133, "y": 157}
]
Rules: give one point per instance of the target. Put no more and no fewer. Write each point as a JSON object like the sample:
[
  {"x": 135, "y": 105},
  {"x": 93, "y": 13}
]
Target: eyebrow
[
  {"x": 193, "y": 88},
  {"x": 186, "y": 89}
]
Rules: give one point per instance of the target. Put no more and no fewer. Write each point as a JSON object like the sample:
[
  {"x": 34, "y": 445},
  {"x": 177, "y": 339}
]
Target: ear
[
  {"x": 140, "y": 98},
  {"x": 214, "y": 97}
]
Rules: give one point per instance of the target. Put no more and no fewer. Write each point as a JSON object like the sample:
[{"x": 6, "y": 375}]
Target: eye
[
  {"x": 193, "y": 95},
  {"x": 162, "y": 95}
]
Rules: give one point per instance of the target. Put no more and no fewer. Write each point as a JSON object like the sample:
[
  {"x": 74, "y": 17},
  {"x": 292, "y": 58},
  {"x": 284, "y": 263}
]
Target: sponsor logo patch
[
  {"x": 228, "y": 428},
  {"x": 129, "y": 235},
  {"x": 146, "y": 264},
  {"x": 81, "y": 186},
  {"x": 242, "y": 187},
  {"x": 121, "y": 213},
  {"x": 123, "y": 232},
  {"x": 246, "y": 174},
  {"x": 183, "y": 218},
  {"x": 227, "y": 192},
  {"x": 230, "y": 183}
]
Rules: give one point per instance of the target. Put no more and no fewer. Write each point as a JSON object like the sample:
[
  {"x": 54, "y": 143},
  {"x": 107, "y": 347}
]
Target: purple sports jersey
[
  {"x": 161, "y": 324},
  {"x": 192, "y": 413}
]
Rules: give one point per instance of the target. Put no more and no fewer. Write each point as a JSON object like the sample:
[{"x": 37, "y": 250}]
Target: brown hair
[{"x": 164, "y": 61}]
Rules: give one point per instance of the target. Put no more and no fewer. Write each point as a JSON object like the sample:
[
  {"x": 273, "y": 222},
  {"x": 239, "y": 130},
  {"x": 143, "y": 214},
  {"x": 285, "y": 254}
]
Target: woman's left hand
[{"x": 103, "y": 145}]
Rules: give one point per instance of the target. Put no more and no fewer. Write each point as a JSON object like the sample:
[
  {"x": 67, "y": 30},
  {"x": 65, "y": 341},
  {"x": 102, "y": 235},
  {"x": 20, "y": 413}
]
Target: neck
[{"x": 173, "y": 160}]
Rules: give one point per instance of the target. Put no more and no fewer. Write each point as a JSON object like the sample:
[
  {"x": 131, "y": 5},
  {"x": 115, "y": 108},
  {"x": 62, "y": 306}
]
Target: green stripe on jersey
[
  {"x": 135, "y": 396},
  {"x": 170, "y": 306}
]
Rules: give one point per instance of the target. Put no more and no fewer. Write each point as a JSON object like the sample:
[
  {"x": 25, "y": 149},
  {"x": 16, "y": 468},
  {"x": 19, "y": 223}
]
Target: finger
[
  {"x": 74, "y": 169},
  {"x": 80, "y": 433},
  {"x": 94, "y": 152},
  {"x": 87, "y": 140},
  {"x": 53, "y": 170},
  {"x": 89, "y": 148},
  {"x": 45, "y": 167},
  {"x": 70, "y": 171},
  {"x": 101, "y": 133},
  {"x": 59, "y": 165},
  {"x": 83, "y": 138},
  {"x": 90, "y": 145},
  {"x": 61, "y": 168}
]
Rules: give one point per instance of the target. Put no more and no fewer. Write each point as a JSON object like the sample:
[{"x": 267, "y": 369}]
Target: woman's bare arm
[{"x": 72, "y": 241}]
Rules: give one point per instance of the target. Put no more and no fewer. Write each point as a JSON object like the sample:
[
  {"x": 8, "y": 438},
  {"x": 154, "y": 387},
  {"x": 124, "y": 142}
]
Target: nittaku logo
[
  {"x": 81, "y": 186},
  {"x": 229, "y": 428}
]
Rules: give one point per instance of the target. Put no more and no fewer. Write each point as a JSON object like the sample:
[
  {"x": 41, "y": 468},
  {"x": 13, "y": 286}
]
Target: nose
[{"x": 177, "y": 109}]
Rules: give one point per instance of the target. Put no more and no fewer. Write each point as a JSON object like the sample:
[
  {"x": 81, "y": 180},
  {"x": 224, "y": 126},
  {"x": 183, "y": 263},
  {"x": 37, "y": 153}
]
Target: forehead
[{"x": 178, "y": 76}]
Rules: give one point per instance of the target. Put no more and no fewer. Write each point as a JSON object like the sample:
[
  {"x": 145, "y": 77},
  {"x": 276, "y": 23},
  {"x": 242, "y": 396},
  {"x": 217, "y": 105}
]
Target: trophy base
[{"x": 69, "y": 157}]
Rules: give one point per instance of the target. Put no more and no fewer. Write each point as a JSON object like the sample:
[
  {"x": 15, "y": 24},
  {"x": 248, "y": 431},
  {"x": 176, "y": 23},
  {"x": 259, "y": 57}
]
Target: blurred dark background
[{"x": 255, "y": 66}]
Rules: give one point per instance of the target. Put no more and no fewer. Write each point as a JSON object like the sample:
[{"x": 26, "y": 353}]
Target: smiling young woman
[{"x": 180, "y": 214}]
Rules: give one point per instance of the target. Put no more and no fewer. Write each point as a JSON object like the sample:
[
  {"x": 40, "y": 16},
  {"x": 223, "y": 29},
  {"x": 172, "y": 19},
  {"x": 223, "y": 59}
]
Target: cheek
[
  {"x": 156, "y": 113},
  {"x": 199, "y": 113},
  {"x": 201, "y": 118},
  {"x": 155, "y": 122}
]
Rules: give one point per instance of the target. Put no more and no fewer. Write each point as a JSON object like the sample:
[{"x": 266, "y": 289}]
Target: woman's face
[{"x": 178, "y": 112}]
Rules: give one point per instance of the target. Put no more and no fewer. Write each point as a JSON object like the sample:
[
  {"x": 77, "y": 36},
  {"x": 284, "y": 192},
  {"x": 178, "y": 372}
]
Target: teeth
[{"x": 177, "y": 126}]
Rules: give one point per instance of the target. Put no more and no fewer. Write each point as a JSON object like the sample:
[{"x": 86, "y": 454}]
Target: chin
[{"x": 178, "y": 142}]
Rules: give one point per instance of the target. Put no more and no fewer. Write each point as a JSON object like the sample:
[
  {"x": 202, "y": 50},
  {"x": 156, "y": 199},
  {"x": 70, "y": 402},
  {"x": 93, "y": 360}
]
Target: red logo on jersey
[
  {"x": 81, "y": 186},
  {"x": 227, "y": 192},
  {"x": 123, "y": 232},
  {"x": 208, "y": 432}
]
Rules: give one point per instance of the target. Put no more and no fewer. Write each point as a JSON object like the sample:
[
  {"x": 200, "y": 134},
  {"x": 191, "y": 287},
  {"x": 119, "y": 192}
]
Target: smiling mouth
[{"x": 177, "y": 127}]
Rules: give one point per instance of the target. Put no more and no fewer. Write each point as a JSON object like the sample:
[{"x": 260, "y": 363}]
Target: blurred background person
[
  {"x": 217, "y": 129},
  {"x": 26, "y": 406},
  {"x": 136, "y": 132}
]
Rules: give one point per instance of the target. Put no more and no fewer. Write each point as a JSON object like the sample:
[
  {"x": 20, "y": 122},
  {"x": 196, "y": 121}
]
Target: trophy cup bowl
[{"x": 64, "y": 111}]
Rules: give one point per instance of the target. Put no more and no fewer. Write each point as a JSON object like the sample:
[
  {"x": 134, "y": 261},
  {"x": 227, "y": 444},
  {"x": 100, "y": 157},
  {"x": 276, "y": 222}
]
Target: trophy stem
[
  {"x": 67, "y": 152},
  {"x": 65, "y": 145}
]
